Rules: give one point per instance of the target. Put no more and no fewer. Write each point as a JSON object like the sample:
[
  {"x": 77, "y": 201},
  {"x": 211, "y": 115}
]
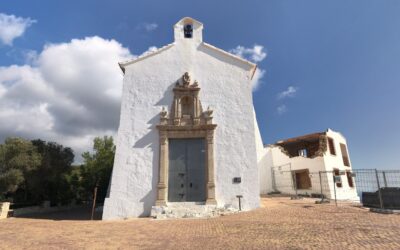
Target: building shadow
[
  {"x": 150, "y": 140},
  {"x": 76, "y": 213}
]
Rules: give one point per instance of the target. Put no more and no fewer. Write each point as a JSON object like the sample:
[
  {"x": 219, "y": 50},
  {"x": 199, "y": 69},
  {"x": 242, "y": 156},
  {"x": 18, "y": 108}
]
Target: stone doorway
[
  {"x": 190, "y": 130},
  {"x": 187, "y": 172}
]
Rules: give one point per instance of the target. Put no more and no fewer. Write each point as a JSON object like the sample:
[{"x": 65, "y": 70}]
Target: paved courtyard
[{"x": 279, "y": 224}]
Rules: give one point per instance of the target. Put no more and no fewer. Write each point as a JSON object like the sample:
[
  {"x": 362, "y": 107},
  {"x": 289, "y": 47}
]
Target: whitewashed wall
[
  {"x": 264, "y": 161},
  {"x": 265, "y": 164},
  {"x": 148, "y": 83},
  {"x": 336, "y": 161}
]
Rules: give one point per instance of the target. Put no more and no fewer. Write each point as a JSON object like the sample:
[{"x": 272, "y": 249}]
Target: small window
[
  {"x": 337, "y": 178},
  {"x": 350, "y": 179},
  {"x": 345, "y": 156},
  {"x": 331, "y": 145},
  {"x": 303, "y": 152},
  {"x": 188, "y": 30}
]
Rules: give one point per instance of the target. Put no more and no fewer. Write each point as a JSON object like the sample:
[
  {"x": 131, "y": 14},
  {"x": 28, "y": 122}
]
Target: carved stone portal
[{"x": 186, "y": 120}]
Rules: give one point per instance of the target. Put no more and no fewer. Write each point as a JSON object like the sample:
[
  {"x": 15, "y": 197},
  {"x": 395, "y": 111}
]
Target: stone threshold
[{"x": 176, "y": 210}]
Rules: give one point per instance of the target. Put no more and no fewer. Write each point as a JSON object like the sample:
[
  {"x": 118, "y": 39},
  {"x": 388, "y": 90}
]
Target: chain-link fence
[{"x": 371, "y": 187}]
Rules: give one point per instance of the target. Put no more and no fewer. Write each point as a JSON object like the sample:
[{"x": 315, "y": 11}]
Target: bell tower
[{"x": 188, "y": 29}]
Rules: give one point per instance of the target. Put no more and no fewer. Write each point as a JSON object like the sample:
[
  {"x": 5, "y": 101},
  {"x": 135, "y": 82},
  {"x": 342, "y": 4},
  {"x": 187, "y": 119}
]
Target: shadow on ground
[{"x": 80, "y": 213}]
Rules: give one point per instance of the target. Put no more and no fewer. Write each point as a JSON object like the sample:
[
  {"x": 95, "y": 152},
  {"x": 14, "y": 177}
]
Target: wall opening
[
  {"x": 345, "y": 156},
  {"x": 302, "y": 178},
  {"x": 331, "y": 145},
  {"x": 349, "y": 179},
  {"x": 303, "y": 152},
  {"x": 309, "y": 146},
  {"x": 188, "y": 30}
]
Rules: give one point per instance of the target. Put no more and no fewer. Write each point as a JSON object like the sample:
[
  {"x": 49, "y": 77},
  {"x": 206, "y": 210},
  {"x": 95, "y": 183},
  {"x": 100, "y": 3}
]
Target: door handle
[{"x": 191, "y": 184}]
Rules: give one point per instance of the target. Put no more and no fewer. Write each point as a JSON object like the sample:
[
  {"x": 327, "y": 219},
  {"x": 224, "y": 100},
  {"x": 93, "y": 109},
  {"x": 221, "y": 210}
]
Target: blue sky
[{"x": 329, "y": 64}]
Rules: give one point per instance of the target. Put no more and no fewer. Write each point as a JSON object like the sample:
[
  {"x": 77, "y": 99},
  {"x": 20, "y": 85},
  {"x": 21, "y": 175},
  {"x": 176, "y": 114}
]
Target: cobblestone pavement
[{"x": 279, "y": 224}]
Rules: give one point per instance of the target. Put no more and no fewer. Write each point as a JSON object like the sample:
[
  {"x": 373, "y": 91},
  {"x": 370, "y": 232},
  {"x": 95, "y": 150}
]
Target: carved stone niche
[{"x": 186, "y": 120}]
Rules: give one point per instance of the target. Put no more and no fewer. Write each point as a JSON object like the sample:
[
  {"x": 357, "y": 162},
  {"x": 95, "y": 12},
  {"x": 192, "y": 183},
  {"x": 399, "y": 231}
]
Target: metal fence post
[
  {"x": 334, "y": 186},
  {"x": 273, "y": 179},
  {"x": 384, "y": 178},
  {"x": 379, "y": 189},
  {"x": 320, "y": 183},
  {"x": 94, "y": 202},
  {"x": 294, "y": 181}
]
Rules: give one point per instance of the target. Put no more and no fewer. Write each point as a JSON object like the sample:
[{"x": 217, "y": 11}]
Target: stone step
[{"x": 188, "y": 210}]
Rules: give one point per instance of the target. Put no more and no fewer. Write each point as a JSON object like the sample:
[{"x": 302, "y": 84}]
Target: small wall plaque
[
  {"x": 237, "y": 179},
  {"x": 337, "y": 179}
]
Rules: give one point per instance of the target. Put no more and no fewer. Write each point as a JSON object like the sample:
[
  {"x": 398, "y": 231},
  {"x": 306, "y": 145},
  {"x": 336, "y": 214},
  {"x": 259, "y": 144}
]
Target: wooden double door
[{"x": 187, "y": 170}]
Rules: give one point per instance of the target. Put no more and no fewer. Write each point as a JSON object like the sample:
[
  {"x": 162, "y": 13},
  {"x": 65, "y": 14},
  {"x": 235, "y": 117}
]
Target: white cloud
[
  {"x": 69, "y": 93},
  {"x": 30, "y": 56},
  {"x": 289, "y": 92},
  {"x": 282, "y": 109},
  {"x": 255, "y": 54},
  {"x": 147, "y": 26},
  {"x": 258, "y": 75},
  {"x": 150, "y": 26},
  {"x": 150, "y": 50},
  {"x": 12, "y": 27}
]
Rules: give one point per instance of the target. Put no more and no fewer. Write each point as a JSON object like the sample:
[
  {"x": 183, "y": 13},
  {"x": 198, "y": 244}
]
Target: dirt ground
[{"x": 280, "y": 224}]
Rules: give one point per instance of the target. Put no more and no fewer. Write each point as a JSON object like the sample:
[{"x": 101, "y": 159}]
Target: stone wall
[{"x": 4, "y": 208}]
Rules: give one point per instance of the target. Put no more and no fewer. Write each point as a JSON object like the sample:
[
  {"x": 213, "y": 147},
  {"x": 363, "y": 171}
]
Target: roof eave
[
  {"x": 122, "y": 65},
  {"x": 253, "y": 66}
]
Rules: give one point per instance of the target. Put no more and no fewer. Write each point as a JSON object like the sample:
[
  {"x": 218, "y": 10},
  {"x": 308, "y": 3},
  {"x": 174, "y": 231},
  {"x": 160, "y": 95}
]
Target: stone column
[
  {"x": 177, "y": 111},
  {"x": 163, "y": 174},
  {"x": 196, "y": 113},
  {"x": 210, "y": 169}
]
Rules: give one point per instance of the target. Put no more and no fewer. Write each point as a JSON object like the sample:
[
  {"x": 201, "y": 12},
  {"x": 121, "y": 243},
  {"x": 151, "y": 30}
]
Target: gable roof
[{"x": 252, "y": 66}]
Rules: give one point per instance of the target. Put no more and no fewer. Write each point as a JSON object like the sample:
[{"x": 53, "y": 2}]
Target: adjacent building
[{"x": 309, "y": 165}]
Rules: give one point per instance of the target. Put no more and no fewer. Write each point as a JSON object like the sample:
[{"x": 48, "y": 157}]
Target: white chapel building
[{"x": 187, "y": 132}]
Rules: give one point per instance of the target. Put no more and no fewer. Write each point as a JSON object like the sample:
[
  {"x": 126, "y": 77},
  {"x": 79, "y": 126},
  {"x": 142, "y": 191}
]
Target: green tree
[
  {"x": 74, "y": 180},
  {"x": 97, "y": 167},
  {"x": 18, "y": 158},
  {"x": 49, "y": 180}
]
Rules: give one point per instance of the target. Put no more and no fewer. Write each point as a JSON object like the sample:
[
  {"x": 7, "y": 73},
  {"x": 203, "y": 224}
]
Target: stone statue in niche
[
  {"x": 209, "y": 112},
  {"x": 164, "y": 113},
  {"x": 163, "y": 117},
  {"x": 186, "y": 79}
]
